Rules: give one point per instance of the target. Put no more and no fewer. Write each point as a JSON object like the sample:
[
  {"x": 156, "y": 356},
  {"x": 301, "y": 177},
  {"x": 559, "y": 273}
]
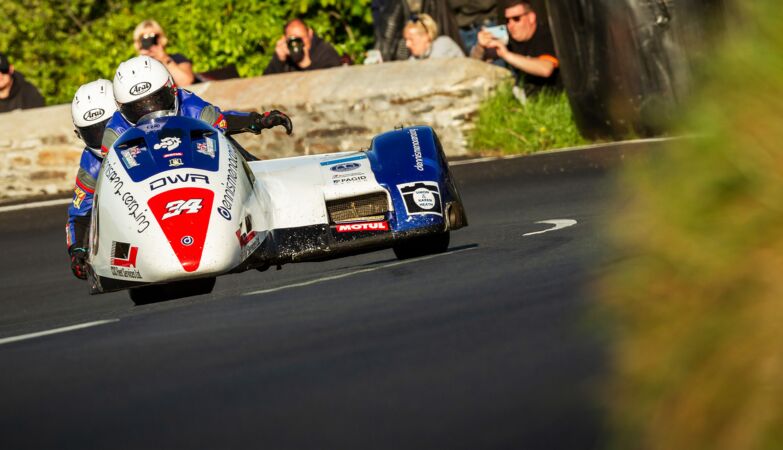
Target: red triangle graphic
[{"x": 183, "y": 215}]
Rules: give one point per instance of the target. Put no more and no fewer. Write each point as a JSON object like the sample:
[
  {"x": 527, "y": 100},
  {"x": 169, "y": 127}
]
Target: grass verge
[{"x": 505, "y": 125}]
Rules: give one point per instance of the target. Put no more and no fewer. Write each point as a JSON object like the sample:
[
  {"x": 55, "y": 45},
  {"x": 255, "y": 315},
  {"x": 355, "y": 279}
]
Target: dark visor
[
  {"x": 161, "y": 100},
  {"x": 93, "y": 134}
]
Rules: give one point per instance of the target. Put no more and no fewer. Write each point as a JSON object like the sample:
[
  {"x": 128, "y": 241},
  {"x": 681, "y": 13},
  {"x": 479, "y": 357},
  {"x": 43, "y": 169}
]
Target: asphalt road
[{"x": 487, "y": 346}]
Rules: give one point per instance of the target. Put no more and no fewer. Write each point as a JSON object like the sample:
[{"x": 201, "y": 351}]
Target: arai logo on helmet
[
  {"x": 347, "y": 167},
  {"x": 93, "y": 114},
  {"x": 140, "y": 88}
]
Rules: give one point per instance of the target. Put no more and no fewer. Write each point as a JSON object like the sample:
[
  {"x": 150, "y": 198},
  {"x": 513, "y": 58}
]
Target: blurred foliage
[
  {"x": 61, "y": 45},
  {"x": 508, "y": 126},
  {"x": 697, "y": 297}
]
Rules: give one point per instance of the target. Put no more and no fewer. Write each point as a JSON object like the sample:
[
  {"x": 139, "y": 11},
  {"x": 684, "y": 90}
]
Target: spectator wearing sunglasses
[
  {"x": 422, "y": 40},
  {"x": 150, "y": 40},
  {"x": 15, "y": 91},
  {"x": 530, "y": 51}
]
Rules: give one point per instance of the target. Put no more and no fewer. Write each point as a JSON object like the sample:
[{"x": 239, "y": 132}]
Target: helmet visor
[
  {"x": 92, "y": 135},
  {"x": 163, "y": 99}
]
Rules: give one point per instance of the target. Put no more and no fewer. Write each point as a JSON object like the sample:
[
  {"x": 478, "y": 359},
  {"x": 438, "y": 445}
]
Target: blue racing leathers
[
  {"x": 77, "y": 229},
  {"x": 83, "y": 192}
]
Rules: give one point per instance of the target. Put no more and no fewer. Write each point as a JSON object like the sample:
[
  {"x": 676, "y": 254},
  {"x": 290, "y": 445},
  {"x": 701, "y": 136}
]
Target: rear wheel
[
  {"x": 169, "y": 291},
  {"x": 422, "y": 246}
]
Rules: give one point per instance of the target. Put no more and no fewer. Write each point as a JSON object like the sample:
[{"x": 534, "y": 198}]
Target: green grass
[{"x": 507, "y": 126}]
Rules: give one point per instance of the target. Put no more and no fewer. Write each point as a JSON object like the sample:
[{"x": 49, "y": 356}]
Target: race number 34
[{"x": 178, "y": 207}]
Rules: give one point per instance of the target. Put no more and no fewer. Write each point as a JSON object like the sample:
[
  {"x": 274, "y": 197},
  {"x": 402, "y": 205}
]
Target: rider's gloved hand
[
  {"x": 78, "y": 262},
  {"x": 271, "y": 119}
]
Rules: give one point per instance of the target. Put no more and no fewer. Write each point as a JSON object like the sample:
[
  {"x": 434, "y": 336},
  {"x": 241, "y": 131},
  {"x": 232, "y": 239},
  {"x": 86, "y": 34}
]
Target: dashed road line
[
  {"x": 80, "y": 326},
  {"x": 356, "y": 272}
]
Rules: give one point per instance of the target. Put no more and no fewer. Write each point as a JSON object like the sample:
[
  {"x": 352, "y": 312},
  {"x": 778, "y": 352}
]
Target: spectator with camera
[
  {"x": 527, "y": 47},
  {"x": 15, "y": 91},
  {"x": 301, "y": 49},
  {"x": 150, "y": 40},
  {"x": 422, "y": 40}
]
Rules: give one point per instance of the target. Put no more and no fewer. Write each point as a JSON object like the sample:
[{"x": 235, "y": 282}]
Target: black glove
[
  {"x": 270, "y": 119},
  {"x": 78, "y": 262}
]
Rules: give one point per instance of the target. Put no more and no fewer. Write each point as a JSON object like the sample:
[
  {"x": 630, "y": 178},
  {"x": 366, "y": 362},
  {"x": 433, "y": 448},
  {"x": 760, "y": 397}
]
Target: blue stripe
[{"x": 338, "y": 161}]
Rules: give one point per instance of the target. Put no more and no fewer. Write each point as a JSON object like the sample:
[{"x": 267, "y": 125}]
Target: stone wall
[{"x": 332, "y": 110}]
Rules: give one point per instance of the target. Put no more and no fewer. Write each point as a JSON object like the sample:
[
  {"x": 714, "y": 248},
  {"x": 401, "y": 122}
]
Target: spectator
[
  {"x": 530, "y": 51},
  {"x": 150, "y": 40},
  {"x": 421, "y": 38},
  {"x": 300, "y": 49},
  {"x": 472, "y": 16},
  {"x": 391, "y": 16},
  {"x": 15, "y": 91}
]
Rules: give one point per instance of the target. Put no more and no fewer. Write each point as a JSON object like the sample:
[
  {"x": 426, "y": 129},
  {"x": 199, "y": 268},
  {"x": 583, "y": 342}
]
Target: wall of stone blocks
[{"x": 333, "y": 110}]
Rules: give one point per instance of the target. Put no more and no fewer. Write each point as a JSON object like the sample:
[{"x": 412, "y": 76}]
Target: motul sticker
[
  {"x": 183, "y": 215},
  {"x": 363, "y": 226}
]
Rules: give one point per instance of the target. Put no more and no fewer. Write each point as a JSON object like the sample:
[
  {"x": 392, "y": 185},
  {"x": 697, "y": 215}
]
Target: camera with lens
[
  {"x": 148, "y": 40},
  {"x": 295, "y": 49}
]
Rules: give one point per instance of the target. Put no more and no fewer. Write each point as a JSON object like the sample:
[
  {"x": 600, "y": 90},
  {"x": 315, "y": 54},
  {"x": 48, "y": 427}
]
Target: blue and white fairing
[{"x": 176, "y": 200}]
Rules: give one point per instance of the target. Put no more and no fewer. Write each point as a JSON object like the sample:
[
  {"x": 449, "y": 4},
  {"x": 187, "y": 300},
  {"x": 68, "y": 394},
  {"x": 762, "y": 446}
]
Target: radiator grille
[{"x": 361, "y": 208}]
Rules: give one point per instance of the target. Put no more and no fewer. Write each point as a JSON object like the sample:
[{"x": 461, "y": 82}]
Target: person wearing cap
[
  {"x": 15, "y": 91},
  {"x": 91, "y": 108}
]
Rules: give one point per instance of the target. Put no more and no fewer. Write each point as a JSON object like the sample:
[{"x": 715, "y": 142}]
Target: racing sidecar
[{"x": 177, "y": 204}]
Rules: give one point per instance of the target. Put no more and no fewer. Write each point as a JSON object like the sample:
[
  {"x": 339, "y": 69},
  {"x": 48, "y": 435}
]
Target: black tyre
[
  {"x": 422, "y": 246},
  {"x": 170, "y": 291}
]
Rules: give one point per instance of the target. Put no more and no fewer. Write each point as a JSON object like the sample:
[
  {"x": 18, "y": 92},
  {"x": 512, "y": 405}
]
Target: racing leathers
[{"x": 190, "y": 105}]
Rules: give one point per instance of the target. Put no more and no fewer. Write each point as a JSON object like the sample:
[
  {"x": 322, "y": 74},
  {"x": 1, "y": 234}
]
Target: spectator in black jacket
[
  {"x": 300, "y": 49},
  {"x": 472, "y": 16},
  {"x": 15, "y": 91},
  {"x": 530, "y": 50}
]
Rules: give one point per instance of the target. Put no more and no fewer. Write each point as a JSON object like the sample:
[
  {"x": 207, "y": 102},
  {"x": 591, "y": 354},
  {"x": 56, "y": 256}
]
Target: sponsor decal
[
  {"x": 249, "y": 240},
  {"x": 183, "y": 215},
  {"x": 178, "y": 207},
  {"x": 128, "y": 159},
  {"x": 150, "y": 126},
  {"x": 78, "y": 197},
  {"x": 179, "y": 178},
  {"x": 175, "y": 162},
  {"x": 343, "y": 160},
  {"x": 140, "y": 88},
  {"x": 169, "y": 143},
  {"x": 355, "y": 179},
  {"x": 117, "y": 187},
  {"x": 123, "y": 260},
  {"x": 345, "y": 167},
  {"x": 93, "y": 114},
  {"x": 417, "y": 151},
  {"x": 171, "y": 155},
  {"x": 222, "y": 124},
  {"x": 362, "y": 226},
  {"x": 421, "y": 197},
  {"x": 206, "y": 148},
  {"x": 227, "y": 203}
]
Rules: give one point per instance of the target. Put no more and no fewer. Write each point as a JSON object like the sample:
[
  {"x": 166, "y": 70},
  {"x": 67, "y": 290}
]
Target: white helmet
[
  {"x": 92, "y": 106},
  {"x": 142, "y": 85}
]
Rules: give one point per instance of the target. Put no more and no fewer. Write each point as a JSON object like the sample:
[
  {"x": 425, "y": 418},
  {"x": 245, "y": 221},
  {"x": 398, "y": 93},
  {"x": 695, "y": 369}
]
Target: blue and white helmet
[
  {"x": 142, "y": 86},
  {"x": 92, "y": 106}
]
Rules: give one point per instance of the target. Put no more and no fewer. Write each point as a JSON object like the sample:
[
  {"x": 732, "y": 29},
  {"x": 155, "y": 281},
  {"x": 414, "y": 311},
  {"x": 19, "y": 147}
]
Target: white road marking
[
  {"x": 559, "y": 224},
  {"x": 62, "y": 201},
  {"x": 80, "y": 326},
  {"x": 356, "y": 272}
]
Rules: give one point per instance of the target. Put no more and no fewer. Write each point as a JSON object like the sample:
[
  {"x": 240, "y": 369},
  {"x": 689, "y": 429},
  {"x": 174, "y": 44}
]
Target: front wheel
[
  {"x": 422, "y": 246},
  {"x": 178, "y": 289}
]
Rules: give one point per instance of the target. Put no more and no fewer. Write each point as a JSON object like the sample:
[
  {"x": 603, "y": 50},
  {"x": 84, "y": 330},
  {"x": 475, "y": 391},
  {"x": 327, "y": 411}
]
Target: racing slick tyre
[
  {"x": 422, "y": 246},
  {"x": 161, "y": 292}
]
